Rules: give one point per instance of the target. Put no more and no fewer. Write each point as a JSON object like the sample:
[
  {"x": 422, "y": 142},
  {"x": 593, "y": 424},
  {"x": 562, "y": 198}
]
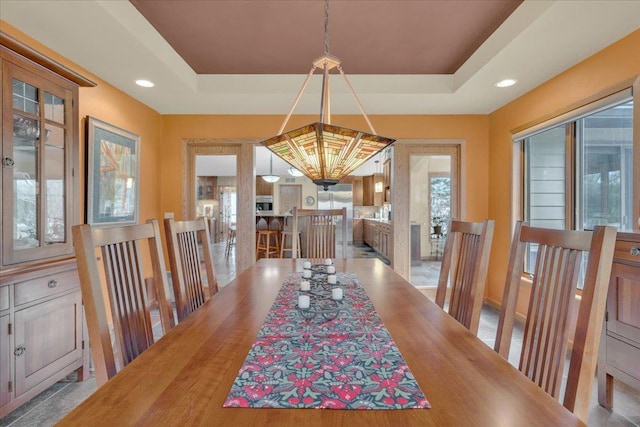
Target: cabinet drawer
[
  {"x": 4, "y": 297},
  {"x": 623, "y": 357},
  {"x": 45, "y": 286},
  {"x": 627, "y": 251}
]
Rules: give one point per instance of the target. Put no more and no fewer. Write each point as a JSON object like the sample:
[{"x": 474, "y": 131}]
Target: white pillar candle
[
  {"x": 328, "y": 261},
  {"x": 306, "y": 265},
  {"x": 306, "y": 274},
  {"x": 331, "y": 279},
  {"x": 305, "y": 285},
  {"x": 303, "y": 301},
  {"x": 336, "y": 293},
  {"x": 331, "y": 269}
]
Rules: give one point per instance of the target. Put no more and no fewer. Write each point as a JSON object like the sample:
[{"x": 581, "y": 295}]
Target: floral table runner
[{"x": 349, "y": 362}]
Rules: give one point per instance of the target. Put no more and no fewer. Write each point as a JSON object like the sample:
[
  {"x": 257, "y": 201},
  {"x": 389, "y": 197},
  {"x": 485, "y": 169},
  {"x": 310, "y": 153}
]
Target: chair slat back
[
  {"x": 464, "y": 270},
  {"x": 548, "y": 328},
  {"x": 320, "y": 231},
  {"x": 185, "y": 241},
  {"x": 123, "y": 273}
]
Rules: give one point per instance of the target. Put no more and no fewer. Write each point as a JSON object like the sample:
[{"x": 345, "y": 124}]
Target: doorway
[
  {"x": 426, "y": 193},
  {"x": 234, "y": 189}
]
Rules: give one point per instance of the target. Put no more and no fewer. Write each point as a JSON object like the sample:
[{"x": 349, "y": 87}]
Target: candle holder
[
  {"x": 321, "y": 308},
  {"x": 321, "y": 269}
]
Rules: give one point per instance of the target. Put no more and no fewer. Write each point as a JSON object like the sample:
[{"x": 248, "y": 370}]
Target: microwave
[{"x": 264, "y": 203}]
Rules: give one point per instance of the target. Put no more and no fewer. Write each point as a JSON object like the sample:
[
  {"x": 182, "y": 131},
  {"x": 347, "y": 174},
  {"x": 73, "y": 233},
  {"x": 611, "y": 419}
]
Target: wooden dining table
[{"x": 184, "y": 378}]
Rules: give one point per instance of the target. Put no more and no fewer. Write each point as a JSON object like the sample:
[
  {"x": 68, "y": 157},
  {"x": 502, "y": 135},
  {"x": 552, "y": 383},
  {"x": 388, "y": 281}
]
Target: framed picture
[{"x": 113, "y": 171}]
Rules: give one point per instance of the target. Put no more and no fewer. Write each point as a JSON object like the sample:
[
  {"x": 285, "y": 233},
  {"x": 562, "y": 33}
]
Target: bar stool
[
  {"x": 283, "y": 244},
  {"x": 231, "y": 240},
  {"x": 267, "y": 243}
]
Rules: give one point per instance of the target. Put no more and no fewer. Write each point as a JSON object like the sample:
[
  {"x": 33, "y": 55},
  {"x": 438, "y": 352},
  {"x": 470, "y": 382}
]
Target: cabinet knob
[
  {"x": 52, "y": 283},
  {"x": 19, "y": 351},
  {"x": 7, "y": 161},
  {"x": 635, "y": 251}
]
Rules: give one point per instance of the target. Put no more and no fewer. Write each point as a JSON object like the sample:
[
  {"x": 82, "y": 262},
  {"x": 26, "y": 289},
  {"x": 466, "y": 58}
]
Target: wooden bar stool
[
  {"x": 231, "y": 240},
  {"x": 283, "y": 244},
  {"x": 267, "y": 244}
]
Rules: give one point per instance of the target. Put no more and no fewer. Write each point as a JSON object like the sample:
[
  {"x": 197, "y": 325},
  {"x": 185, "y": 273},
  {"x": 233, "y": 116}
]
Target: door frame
[
  {"x": 400, "y": 191},
  {"x": 244, "y": 151}
]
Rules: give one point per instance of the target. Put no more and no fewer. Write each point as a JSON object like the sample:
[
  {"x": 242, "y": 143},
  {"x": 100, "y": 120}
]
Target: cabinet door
[
  {"x": 37, "y": 154},
  {"x": 623, "y": 304},
  {"x": 263, "y": 188},
  {"x": 48, "y": 337},
  {"x": 367, "y": 191},
  {"x": 5, "y": 360},
  {"x": 357, "y": 192}
]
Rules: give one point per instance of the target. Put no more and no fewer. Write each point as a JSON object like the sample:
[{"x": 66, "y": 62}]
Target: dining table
[{"x": 186, "y": 376}]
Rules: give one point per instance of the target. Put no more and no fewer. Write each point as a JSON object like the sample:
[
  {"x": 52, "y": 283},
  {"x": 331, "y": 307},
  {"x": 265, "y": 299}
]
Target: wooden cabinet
[
  {"x": 358, "y": 191},
  {"x": 5, "y": 356},
  {"x": 206, "y": 187},
  {"x": 263, "y": 188},
  {"x": 41, "y": 315},
  {"x": 42, "y": 331},
  {"x": 39, "y": 162},
  {"x": 620, "y": 342},
  {"x": 358, "y": 231},
  {"x": 367, "y": 233},
  {"x": 370, "y": 196},
  {"x": 377, "y": 234}
]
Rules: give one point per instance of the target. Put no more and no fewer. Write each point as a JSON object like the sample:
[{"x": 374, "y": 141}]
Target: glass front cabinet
[
  {"x": 42, "y": 333},
  {"x": 37, "y": 166}
]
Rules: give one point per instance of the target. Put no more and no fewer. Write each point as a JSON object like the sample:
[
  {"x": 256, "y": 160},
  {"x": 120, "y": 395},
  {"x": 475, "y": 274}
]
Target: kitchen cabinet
[
  {"x": 371, "y": 197},
  {"x": 41, "y": 315},
  {"x": 377, "y": 234},
  {"x": 358, "y": 231},
  {"x": 357, "y": 191},
  {"x": 620, "y": 343},
  {"x": 263, "y": 188}
]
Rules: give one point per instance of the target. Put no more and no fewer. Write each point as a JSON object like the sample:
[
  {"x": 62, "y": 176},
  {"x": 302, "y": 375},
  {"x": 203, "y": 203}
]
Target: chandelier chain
[{"x": 326, "y": 26}]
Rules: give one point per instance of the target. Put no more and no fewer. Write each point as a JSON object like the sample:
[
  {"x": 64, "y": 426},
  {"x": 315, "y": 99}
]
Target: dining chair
[
  {"x": 552, "y": 326},
  {"x": 320, "y": 231},
  {"x": 120, "y": 272},
  {"x": 186, "y": 240},
  {"x": 465, "y": 263}
]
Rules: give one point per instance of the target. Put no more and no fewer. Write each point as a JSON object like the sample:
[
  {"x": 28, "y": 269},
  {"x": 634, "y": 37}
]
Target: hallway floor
[{"x": 54, "y": 403}]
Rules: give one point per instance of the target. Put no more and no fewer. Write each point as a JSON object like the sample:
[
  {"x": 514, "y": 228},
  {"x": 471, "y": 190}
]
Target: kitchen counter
[{"x": 380, "y": 220}]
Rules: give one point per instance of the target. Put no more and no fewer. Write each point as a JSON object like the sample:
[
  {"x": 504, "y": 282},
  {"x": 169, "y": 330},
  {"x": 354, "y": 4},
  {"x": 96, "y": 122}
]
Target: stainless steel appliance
[
  {"x": 264, "y": 204},
  {"x": 337, "y": 197}
]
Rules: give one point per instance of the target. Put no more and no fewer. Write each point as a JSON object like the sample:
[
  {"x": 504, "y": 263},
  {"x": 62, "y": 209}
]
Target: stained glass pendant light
[{"x": 323, "y": 152}]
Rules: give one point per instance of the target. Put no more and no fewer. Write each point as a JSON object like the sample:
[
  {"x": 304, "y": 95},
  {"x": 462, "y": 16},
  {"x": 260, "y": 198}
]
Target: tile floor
[{"x": 51, "y": 405}]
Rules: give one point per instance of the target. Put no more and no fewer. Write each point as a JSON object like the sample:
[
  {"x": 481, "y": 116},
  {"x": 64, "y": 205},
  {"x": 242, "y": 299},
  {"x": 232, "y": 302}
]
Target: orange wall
[
  {"x": 613, "y": 65},
  {"x": 472, "y": 128}
]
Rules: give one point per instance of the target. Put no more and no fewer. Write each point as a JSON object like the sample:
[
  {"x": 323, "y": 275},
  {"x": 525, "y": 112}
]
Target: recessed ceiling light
[
  {"x": 144, "y": 83},
  {"x": 506, "y": 83}
]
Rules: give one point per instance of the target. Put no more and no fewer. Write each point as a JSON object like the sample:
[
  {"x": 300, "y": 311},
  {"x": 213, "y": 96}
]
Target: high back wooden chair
[
  {"x": 126, "y": 295},
  {"x": 548, "y": 327},
  {"x": 320, "y": 231},
  {"x": 464, "y": 270},
  {"x": 185, "y": 240}
]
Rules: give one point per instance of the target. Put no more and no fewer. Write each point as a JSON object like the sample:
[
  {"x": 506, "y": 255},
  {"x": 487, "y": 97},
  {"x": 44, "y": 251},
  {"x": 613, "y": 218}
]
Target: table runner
[{"x": 350, "y": 362}]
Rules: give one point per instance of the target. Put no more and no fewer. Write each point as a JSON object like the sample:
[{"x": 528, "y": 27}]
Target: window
[{"x": 578, "y": 171}]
